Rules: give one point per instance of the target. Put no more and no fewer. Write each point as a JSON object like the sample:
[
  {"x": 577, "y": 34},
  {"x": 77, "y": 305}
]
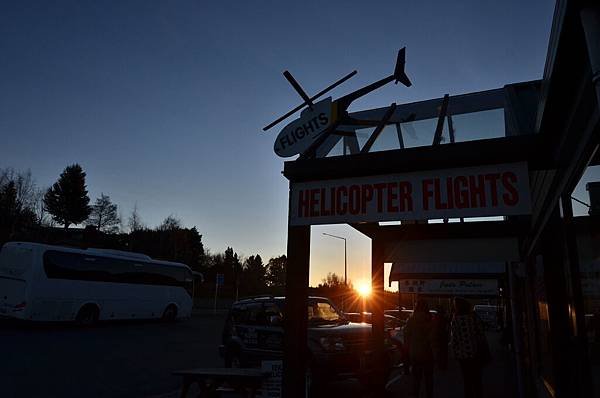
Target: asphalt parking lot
[
  {"x": 135, "y": 359},
  {"x": 132, "y": 359}
]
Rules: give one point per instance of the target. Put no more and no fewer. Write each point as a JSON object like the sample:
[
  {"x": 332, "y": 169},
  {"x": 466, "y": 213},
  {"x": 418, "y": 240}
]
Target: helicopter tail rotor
[{"x": 399, "y": 74}]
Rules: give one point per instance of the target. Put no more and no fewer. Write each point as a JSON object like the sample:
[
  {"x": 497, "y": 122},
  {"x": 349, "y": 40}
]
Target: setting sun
[{"x": 364, "y": 288}]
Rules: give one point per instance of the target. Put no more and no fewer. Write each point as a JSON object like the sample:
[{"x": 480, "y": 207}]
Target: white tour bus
[{"x": 54, "y": 283}]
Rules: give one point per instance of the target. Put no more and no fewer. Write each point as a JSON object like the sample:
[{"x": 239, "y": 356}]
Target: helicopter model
[{"x": 318, "y": 120}]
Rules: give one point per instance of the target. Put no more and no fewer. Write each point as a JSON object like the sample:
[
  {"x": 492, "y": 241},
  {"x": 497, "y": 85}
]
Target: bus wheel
[
  {"x": 87, "y": 315},
  {"x": 170, "y": 314}
]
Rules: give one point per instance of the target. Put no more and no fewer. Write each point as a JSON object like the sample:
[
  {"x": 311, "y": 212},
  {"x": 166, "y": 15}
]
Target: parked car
[
  {"x": 390, "y": 322},
  {"x": 337, "y": 348},
  {"x": 403, "y": 314}
]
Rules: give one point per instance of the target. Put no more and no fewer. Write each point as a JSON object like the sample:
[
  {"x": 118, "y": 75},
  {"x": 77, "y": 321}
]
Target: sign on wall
[
  {"x": 453, "y": 287},
  {"x": 494, "y": 190}
]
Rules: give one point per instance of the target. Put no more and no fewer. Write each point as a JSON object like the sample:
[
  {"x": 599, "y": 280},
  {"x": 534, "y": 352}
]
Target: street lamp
[
  {"x": 345, "y": 265},
  {"x": 345, "y": 257}
]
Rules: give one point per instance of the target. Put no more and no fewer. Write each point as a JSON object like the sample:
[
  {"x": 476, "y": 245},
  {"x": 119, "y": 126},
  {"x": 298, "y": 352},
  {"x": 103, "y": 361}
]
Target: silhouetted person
[
  {"x": 441, "y": 334},
  {"x": 418, "y": 335},
  {"x": 469, "y": 346}
]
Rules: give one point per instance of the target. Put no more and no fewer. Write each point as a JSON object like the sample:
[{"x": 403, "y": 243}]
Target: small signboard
[
  {"x": 299, "y": 135},
  {"x": 451, "y": 287},
  {"x": 492, "y": 190},
  {"x": 271, "y": 387},
  {"x": 220, "y": 279}
]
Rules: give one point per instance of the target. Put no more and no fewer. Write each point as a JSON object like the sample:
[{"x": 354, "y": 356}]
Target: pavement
[
  {"x": 499, "y": 379},
  {"x": 124, "y": 359},
  {"x": 136, "y": 359}
]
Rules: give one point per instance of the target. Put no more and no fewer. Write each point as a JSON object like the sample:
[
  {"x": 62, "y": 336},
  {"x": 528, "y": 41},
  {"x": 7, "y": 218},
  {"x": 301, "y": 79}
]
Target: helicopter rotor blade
[
  {"x": 334, "y": 85},
  {"x": 279, "y": 119},
  {"x": 314, "y": 97},
  {"x": 298, "y": 88}
]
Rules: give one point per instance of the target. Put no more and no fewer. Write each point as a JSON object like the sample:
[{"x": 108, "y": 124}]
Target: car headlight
[{"x": 332, "y": 344}]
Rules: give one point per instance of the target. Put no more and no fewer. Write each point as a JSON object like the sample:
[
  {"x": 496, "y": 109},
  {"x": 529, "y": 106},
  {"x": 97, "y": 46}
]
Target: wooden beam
[
  {"x": 531, "y": 148},
  {"x": 378, "y": 129},
  {"x": 295, "y": 322},
  {"x": 428, "y": 109},
  {"x": 376, "y": 300}
]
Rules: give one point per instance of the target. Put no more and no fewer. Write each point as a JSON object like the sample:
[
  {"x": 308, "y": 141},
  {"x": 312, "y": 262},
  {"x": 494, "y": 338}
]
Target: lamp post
[{"x": 345, "y": 264}]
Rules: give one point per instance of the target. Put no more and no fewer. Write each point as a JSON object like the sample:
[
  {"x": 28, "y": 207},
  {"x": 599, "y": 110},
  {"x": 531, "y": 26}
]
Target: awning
[{"x": 474, "y": 270}]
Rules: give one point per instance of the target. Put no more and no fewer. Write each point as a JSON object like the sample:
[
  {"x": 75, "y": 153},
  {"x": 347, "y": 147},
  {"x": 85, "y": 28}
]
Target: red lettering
[
  {"x": 438, "y": 195},
  {"x": 354, "y": 199},
  {"x": 449, "y": 193},
  {"x": 493, "y": 181},
  {"x": 427, "y": 194},
  {"x": 511, "y": 196},
  {"x": 391, "y": 197},
  {"x": 366, "y": 197},
  {"x": 461, "y": 192},
  {"x": 406, "y": 203},
  {"x": 477, "y": 189},
  {"x": 324, "y": 210},
  {"x": 379, "y": 188},
  {"x": 314, "y": 202},
  {"x": 332, "y": 201},
  {"x": 341, "y": 208},
  {"x": 303, "y": 203}
]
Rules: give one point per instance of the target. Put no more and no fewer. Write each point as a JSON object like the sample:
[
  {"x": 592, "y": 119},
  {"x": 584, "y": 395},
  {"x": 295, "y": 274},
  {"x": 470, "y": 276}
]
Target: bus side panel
[{"x": 184, "y": 302}]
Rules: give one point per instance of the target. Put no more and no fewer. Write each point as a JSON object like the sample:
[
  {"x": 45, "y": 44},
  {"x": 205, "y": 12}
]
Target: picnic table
[{"x": 212, "y": 380}]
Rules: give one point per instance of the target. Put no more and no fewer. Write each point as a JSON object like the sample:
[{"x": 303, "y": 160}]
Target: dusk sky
[{"x": 162, "y": 103}]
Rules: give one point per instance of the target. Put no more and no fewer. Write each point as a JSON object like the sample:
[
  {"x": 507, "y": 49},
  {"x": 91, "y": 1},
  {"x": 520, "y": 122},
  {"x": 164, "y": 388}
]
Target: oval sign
[{"x": 299, "y": 135}]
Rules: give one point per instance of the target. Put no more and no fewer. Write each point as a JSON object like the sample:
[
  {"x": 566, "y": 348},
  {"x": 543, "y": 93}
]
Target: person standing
[
  {"x": 418, "y": 336},
  {"x": 469, "y": 346}
]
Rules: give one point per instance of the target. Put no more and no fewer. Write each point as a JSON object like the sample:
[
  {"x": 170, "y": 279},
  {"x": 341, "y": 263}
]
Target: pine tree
[{"x": 67, "y": 200}]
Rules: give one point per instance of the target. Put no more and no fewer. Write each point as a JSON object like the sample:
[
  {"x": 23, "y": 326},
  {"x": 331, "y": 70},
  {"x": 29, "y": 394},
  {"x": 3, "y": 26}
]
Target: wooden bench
[{"x": 211, "y": 380}]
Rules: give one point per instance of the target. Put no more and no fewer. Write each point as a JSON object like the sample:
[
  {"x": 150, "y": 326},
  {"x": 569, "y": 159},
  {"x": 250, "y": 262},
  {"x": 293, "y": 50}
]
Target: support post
[
  {"x": 582, "y": 361},
  {"x": 295, "y": 321},
  {"x": 554, "y": 257},
  {"x": 377, "y": 304},
  {"x": 590, "y": 21}
]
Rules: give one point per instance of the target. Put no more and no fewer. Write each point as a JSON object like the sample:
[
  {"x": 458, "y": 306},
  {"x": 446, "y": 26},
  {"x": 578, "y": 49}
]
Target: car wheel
[
  {"x": 170, "y": 314},
  {"x": 87, "y": 315}
]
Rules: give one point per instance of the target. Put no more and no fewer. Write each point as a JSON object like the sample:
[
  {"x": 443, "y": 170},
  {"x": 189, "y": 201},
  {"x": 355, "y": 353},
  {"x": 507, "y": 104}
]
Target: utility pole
[{"x": 345, "y": 264}]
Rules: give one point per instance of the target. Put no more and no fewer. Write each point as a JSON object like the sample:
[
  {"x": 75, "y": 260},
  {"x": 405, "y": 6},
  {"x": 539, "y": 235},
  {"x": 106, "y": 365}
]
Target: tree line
[{"x": 31, "y": 213}]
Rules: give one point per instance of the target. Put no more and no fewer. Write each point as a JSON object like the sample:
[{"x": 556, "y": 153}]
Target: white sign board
[
  {"x": 453, "y": 287},
  {"x": 271, "y": 387},
  {"x": 299, "y": 135},
  {"x": 493, "y": 190}
]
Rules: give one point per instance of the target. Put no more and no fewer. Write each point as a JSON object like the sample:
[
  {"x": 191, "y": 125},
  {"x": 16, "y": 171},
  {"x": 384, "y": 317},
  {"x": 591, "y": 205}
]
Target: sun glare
[{"x": 364, "y": 288}]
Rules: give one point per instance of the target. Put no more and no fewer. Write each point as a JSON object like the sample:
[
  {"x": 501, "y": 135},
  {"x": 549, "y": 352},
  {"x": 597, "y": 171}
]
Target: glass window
[
  {"x": 75, "y": 266},
  {"x": 322, "y": 311},
  {"x": 255, "y": 314}
]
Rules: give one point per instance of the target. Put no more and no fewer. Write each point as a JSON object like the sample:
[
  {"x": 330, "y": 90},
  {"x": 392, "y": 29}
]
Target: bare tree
[
  {"x": 135, "y": 221},
  {"x": 24, "y": 186},
  {"x": 170, "y": 223},
  {"x": 104, "y": 215}
]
